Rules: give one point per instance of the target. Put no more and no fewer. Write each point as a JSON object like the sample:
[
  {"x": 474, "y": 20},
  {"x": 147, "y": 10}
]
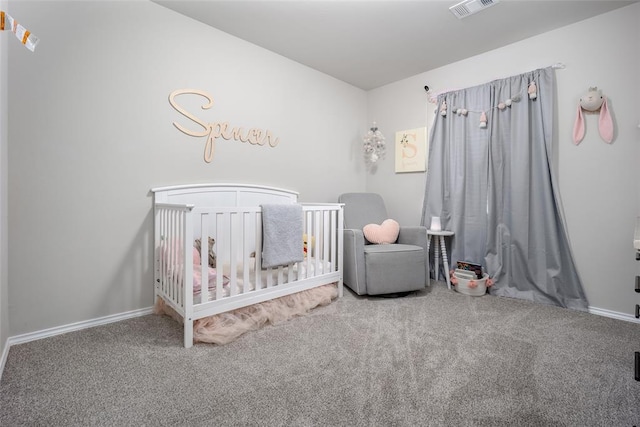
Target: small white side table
[{"x": 439, "y": 235}]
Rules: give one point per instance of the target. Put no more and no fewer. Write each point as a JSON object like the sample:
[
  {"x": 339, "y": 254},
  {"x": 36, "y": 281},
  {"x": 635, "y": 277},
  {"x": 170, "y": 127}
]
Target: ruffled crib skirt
[{"x": 224, "y": 328}]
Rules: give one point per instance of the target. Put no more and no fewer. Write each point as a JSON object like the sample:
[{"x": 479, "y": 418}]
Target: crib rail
[
  {"x": 174, "y": 237},
  {"x": 238, "y": 278},
  {"x": 238, "y": 242}
]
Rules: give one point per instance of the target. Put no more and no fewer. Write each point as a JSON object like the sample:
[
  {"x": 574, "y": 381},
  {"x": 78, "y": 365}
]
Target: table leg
[
  {"x": 428, "y": 261},
  {"x": 445, "y": 261},
  {"x": 436, "y": 258}
]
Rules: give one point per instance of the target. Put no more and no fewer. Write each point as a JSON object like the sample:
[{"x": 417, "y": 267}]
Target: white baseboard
[
  {"x": 613, "y": 314},
  {"x": 46, "y": 333},
  {"x": 3, "y": 360}
]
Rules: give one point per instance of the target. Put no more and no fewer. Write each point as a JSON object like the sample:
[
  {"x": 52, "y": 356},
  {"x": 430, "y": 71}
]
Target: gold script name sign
[{"x": 215, "y": 130}]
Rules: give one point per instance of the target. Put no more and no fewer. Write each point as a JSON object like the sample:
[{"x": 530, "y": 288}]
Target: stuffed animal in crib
[
  {"x": 212, "y": 255},
  {"x": 592, "y": 102},
  {"x": 305, "y": 241}
]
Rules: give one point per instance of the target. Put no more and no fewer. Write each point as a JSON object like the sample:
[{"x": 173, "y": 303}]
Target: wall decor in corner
[
  {"x": 214, "y": 130},
  {"x": 8, "y": 23},
  {"x": 593, "y": 102},
  {"x": 411, "y": 150}
]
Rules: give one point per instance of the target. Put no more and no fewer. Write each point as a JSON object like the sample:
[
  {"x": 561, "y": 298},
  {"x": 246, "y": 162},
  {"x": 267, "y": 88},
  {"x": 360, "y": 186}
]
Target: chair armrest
[
  {"x": 416, "y": 235},
  {"x": 413, "y": 235},
  {"x": 353, "y": 261}
]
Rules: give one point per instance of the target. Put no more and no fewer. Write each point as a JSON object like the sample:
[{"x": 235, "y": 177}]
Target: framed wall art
[{"x": 411, "y": 150}]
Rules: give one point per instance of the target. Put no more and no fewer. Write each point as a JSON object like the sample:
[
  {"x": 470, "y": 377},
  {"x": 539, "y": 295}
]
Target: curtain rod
[{"x": 432, "y": 97}]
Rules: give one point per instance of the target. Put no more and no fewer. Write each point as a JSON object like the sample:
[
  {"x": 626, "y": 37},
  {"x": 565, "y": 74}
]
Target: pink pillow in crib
[
  {"x": 197, "y": 278},
  {"x": 385, "y": 233}
]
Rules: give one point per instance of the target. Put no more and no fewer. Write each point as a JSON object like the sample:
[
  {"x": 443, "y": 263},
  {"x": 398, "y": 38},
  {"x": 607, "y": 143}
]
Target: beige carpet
[{"x": 433, "y": 358}]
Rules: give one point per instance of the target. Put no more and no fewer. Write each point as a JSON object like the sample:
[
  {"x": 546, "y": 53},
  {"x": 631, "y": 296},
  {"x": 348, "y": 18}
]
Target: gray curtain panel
[{"x": 495, "y": 188}]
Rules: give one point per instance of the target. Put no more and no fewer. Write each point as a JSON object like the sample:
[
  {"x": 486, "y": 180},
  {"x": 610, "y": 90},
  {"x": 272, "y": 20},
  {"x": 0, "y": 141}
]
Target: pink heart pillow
[{"x": 385, "y": 233}]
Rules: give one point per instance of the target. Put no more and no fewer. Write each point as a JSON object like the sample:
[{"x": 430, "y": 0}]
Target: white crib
[{"x": 231, "y": 214}]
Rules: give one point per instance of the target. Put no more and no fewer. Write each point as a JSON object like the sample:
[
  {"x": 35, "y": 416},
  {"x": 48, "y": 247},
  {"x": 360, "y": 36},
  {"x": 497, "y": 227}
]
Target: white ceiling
[{"x": 371, "y": 43}]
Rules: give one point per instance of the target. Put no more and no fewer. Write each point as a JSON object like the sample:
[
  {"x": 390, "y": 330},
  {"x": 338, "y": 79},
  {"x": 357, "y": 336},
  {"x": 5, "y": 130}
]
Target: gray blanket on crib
[{"x": 281, "y": 234}]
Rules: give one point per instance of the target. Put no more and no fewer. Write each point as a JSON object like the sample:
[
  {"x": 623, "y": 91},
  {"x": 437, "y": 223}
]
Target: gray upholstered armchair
[{"x": 380, "y": 269}]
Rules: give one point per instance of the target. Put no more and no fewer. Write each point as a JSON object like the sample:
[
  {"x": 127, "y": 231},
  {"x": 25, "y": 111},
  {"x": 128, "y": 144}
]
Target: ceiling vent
[{"x": 469, "y": 7}]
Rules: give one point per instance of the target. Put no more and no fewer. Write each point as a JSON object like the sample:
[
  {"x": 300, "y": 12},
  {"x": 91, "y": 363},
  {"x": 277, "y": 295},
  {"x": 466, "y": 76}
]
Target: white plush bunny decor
[{"x": 593, "y": 101}]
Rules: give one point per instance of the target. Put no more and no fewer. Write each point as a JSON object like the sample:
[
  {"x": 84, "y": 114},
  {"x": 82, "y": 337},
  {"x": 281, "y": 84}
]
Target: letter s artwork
[{"x": 411, "y": 149}]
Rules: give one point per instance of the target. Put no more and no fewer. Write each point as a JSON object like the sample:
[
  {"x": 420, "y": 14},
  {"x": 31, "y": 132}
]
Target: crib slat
[
  {"x": 290, "y": 274},
  {"x": 172, "y": 260},
  {"x": 167, "y": 253},
  {"x": 234, "y": 237},
  {"x": 222, "y": 254},
  {"x": 204, "y": 257},
  {"x": 168, "y": 286},
  {"x": 310, "y": 236},
  {"x": 175, "y": 263},
  {"x": 333, "y": 236},
  {"x": 258, "y": 259},
  {"x": 179, "y": 283},
  {"x": 316, "y": 232},
  {"x": 325, "y": 239},
  {"x": 280, "y": 275},
  {"x": 246, "y": 256},
  {"x": 269, "y": 277}
]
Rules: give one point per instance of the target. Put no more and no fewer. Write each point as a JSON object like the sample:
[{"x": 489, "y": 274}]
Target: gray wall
[
  {"x": 91, "y": 132},
  {"x": 598, "y": 182},
  {"x": 4, "y": 283}
]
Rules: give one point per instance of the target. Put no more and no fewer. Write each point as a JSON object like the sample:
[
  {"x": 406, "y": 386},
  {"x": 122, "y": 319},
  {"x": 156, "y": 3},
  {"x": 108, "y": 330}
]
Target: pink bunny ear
[
  {"x": 605, "y": 123},
  {"x": 578, "y": 127}
]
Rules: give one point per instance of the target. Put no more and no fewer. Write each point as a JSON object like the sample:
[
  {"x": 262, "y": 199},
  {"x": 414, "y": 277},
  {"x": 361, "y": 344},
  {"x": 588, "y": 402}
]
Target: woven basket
[{"x": 463, "y": 286}]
